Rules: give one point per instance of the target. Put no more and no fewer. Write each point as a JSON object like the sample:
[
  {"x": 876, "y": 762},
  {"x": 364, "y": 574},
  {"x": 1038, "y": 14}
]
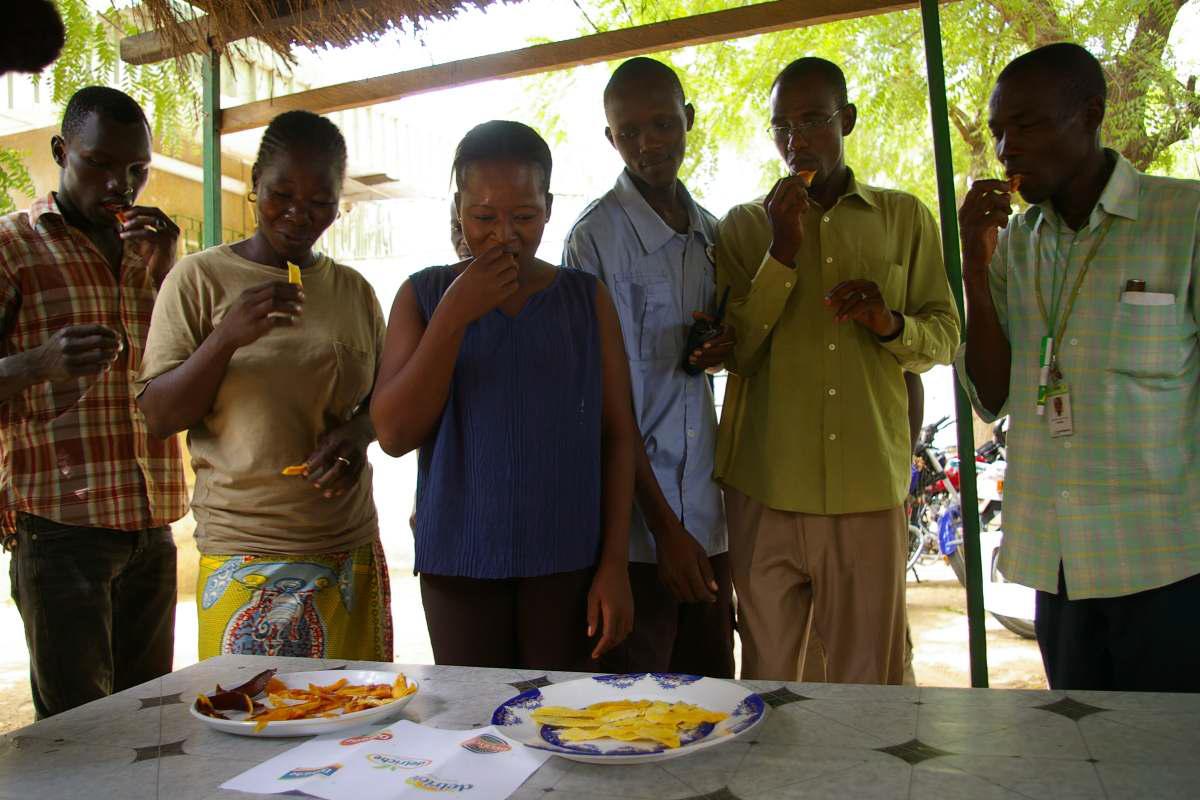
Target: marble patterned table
[{"x": 818, "y": 740}]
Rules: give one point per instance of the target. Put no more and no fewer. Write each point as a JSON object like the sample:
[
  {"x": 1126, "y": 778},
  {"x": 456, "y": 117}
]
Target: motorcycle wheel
[
  {"x": 1021, "y": 627},
  {"x": 914, "y": 547}
]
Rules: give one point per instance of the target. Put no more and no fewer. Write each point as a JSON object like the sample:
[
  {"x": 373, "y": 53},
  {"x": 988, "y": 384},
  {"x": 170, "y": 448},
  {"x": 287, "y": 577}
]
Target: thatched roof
[{"x": 283, "y": 24}]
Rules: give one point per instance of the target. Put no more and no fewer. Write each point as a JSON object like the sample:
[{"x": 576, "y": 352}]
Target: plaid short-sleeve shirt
[
  {"x": 1117, "y": 502},
  {"x": 78, "y": 452}
]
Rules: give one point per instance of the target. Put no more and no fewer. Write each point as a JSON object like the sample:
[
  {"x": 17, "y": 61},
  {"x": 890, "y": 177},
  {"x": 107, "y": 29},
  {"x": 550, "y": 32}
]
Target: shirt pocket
[
  {"x": 1148, "y": 341},
  {"x": 649, "y": 322},
  {"x": 355, "y": 378}
]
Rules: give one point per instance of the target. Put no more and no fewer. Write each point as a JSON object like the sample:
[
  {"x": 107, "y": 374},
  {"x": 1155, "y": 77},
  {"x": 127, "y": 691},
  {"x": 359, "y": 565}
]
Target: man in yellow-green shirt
[{"x": 837, "y": 288}]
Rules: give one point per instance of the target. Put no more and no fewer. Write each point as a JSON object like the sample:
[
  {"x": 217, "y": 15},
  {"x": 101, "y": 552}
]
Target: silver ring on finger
[{"x": 343, "y": 460}]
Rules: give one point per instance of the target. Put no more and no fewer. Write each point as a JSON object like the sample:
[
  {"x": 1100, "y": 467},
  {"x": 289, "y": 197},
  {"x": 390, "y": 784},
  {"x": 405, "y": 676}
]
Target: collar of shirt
[
  {"x": 44, "y": 205},
  {"x": 1119, "y": 198},
  {"x": 652, "y": 232},
  {"x": 47, "y": 207},
  {"x": 861, "y": 191}
]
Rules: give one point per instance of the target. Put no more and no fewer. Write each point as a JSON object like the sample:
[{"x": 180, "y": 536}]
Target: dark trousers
[
  {"x": 98, "y": 607},
  {"x": 1144, "y": 642},
  {"x": 526, "y": 623},
  {"x": 669, "y": 636}
]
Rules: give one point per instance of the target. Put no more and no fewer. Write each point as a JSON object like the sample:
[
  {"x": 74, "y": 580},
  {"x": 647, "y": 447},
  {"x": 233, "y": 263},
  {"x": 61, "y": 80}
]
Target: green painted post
[
  {"x": 944, "y": 161},
  {"x": 211, "y": 121}
]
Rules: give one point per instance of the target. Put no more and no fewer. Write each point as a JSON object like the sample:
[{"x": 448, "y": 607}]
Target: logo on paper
[
  {"x": 382, "y": 736},
  {"x": 428, "y": 783},
  {"x": 393, "y": 763},
  {"x": 486, "y": 744},
  {"x": 309, "y": 772}
]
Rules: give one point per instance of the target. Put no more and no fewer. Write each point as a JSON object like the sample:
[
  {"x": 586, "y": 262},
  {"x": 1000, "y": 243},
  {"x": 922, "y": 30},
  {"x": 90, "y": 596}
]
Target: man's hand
[
  {"x": 985, "y": 210},
  {"x": 712, "y": 354},
  {"x": 77, "y": 351},
  {"x": 683, "y": 567},
  {"x": 861, "y": 301},
  {"x": 260, "y": 309},
  {"x": 610, "y": 601},
  {"x": 341, "y": 454},
  {"x": 786, "y": 204},
  {"x": 153, "y": 234}
]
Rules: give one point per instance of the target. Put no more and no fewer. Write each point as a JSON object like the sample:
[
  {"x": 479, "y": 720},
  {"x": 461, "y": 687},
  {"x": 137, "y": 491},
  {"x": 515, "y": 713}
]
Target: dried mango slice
[
  {"x": 294, "y": 274},
  {"x": 806, "y": 175},
  {"x": 627, "y": 720},
  {"x": 1014, "y": 182},
  {"x": 295, "y": 469}
]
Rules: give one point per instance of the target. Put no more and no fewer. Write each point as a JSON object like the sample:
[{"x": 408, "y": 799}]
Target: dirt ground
[{"x": 936, "y": 608}]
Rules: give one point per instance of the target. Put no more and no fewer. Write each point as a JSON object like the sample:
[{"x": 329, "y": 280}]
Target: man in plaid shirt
[
  {"x": 86, "y": 492},
  {"x": 1082, "y": 325}
]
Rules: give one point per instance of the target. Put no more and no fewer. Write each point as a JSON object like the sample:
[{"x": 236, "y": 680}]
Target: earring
[{"x": 252, "y": 196}]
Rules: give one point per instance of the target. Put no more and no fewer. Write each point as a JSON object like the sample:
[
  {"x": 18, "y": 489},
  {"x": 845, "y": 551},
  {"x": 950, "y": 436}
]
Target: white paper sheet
[{"x": 396, "y": 762}]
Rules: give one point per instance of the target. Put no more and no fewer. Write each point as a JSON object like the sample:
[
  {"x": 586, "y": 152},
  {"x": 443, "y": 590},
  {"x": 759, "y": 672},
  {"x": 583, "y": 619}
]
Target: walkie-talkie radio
[{"x": 701, "y": 331}]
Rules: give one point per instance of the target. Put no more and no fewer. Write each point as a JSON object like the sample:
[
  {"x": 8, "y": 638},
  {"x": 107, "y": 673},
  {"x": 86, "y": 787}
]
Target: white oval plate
[
  {"x": 744, "y": 707},
  {"x": 237, "y": 723}
]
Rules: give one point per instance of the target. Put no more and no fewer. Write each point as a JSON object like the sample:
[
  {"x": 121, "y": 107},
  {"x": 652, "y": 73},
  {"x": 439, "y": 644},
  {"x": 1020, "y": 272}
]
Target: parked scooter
[{"x": 935, "y": 522}]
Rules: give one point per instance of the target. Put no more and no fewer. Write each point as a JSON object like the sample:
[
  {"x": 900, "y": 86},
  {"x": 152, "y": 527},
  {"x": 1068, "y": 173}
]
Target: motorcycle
[{"x": 935, "y": 522}]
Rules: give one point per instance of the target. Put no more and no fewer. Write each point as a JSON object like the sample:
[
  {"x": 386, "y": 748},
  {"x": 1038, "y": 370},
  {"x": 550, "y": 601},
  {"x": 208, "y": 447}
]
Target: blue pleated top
[{"x": 509, "y": 483}]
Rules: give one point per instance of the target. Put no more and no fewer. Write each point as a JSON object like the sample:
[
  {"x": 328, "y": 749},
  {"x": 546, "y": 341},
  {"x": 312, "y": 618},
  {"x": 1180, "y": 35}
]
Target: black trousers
[
  {"x": 523, "y": 623},
  {"x": 1144, "y": 642},
  {"x": 669, "y": 636},
  {"x": 98, "y": 607}
]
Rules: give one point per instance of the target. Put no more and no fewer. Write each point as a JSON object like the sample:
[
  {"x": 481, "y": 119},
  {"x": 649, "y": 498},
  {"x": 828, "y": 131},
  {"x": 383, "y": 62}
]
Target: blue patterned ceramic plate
[{"x": 745, "y": 709}]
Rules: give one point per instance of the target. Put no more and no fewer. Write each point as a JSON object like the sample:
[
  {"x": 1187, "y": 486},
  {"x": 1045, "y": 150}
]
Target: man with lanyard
[
  {"x": 86, "y": 492},
  {"x": 651, "y": 244},
  {"x": 837, "y": 289},
  {"x": 1082, "y": 326}
]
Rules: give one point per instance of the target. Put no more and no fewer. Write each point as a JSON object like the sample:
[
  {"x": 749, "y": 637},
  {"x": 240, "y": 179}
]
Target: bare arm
[
  {"x": 984, "y": 211},
  {"x": 414, "y": 375},
  {"x": 418, "y": 359},
  {"x": 180, "y": 398},
  {"x": 610, "y": 597}
]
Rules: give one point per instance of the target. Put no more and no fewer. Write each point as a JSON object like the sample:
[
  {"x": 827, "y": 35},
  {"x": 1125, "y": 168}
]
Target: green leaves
[{"x": 883, "y": 57}]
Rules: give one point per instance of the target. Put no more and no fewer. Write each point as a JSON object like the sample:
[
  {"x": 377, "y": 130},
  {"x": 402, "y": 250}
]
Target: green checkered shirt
[{"x": 1118, "y": 502}]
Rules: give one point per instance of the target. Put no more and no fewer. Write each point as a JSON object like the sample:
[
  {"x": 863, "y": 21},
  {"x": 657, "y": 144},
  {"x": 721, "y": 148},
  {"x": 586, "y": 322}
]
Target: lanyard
[{"x": 1047, "y": 359}]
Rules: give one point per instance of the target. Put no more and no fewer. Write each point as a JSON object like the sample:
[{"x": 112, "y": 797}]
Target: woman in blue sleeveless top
[{"x": 510, "y": 376}]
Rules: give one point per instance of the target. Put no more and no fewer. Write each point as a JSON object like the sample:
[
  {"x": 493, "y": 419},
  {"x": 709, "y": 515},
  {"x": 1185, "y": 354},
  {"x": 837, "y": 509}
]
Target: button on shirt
[
  {"x": 816, "y": 415},
  {"x": 1118, "y": 501},
  {"x": 78, "y": 452},
  {"x": 657, "y": 278}
]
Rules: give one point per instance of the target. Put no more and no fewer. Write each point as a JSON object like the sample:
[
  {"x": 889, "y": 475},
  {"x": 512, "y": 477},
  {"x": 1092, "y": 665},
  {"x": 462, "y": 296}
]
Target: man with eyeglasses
[{"x": 837, "y": 289}]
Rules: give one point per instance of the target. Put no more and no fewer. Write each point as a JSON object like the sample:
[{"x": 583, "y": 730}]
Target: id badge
[{"x": 1058, "y": 409}]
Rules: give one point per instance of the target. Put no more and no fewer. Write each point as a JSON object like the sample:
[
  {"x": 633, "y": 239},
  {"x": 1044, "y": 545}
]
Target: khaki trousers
[{"x": 818, "y": 597}]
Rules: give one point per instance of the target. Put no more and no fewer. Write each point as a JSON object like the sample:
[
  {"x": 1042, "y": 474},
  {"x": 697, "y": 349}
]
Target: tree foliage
[
  {"x": 1149, "y": 108},
  {"x": 167, "y": 91}
]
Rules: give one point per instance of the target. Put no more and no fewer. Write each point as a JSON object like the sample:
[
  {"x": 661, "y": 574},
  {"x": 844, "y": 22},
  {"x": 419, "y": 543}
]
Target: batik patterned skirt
[{"x": 328, "y": 605}]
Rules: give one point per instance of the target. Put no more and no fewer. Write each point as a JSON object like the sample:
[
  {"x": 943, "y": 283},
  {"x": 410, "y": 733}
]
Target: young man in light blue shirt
[{"x": 652, "y": 245}]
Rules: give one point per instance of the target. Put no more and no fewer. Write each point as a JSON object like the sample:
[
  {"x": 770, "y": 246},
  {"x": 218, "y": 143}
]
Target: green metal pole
[
  {"x": 944, "y": 161},
  {"x": 211, "y": 121}
]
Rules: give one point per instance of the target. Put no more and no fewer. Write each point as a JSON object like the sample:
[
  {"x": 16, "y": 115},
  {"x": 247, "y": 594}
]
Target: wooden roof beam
[{"x": 624, "y": 43}]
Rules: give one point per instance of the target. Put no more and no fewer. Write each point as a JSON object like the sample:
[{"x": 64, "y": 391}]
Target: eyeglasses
[{"x": 784, "y": 132}]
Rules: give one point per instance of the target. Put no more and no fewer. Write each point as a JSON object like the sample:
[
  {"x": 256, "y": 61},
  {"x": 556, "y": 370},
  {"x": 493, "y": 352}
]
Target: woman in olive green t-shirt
[{"x": 264, "y": 374}]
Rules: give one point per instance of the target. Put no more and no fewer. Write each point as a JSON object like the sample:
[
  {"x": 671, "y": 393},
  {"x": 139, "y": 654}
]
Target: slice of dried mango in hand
[
  {"x": 1014, "y": 182},
  {"x": 806, "y": 175},
  {"x": 294, "y": 274},
  {"x": 295, "y": 469}
]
